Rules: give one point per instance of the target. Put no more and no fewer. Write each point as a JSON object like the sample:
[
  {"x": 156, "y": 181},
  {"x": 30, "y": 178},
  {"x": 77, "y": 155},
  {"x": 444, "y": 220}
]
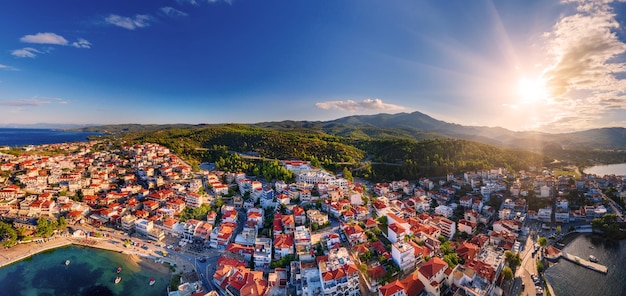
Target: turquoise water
[{"x": 91, "y": 272}]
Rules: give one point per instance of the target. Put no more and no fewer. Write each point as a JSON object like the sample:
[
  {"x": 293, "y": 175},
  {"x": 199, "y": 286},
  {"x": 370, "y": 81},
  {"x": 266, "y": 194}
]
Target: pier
[{"x": 585, "y": 263}]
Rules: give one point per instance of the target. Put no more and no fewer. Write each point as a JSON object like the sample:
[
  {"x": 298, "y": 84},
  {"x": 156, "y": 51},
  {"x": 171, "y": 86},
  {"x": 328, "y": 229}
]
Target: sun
[{"x": 532, "y": 90}]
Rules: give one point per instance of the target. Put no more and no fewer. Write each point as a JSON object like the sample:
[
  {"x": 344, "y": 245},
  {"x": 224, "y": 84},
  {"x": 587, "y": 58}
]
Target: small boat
[
  {"x": 593, "y": 258},
  {"x": 67, "y": 262},
  {"x": 152, "y": 281},
  {"x": 591, "y": 247},
  {"x": 118, "y": 279},
  {"x": 119, "y": 269}
]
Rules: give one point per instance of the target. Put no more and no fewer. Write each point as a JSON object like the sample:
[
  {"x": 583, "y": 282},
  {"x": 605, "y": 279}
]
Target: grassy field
[{"x": 566, "y": 172}]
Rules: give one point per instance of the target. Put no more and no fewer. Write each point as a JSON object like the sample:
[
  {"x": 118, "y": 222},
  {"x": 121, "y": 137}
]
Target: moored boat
[
  {"x": 118, "y": 279},
  {"x": 152, "y": 281},
  {"x": 593, "y": 258},
  {"x": 119, "y": 269},
  {"x": 67, "y": 262}
]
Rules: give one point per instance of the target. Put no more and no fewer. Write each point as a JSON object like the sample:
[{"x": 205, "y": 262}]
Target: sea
[
  {"x": 568, "y": 278},
  {"x": 618, "y": 169},
  {"x": 90, "y": 272},
  {"x": 25, "y": 136}
]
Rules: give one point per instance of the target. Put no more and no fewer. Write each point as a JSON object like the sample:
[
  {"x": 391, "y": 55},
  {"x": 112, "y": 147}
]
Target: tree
[
  {"x": 512, "y": 259},
  {"x": 8, "y": 235},
  {"x": 507, "y": 273},
  {"x": 45, "y": 227},
  {"x": 542, "y": 241},
  {"x": 539, "y": 266},
  {"x": 347, "y": 174},
  {"x": 452, "y": 259}
]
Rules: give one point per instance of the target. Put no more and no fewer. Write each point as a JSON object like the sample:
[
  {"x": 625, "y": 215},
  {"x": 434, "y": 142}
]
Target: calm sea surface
[
  {"x": 91, "y": 272},
  {"x": 610, "y": 169},
  {"x": 571, "y": 279},
  {"x": 25, "y": 136}
]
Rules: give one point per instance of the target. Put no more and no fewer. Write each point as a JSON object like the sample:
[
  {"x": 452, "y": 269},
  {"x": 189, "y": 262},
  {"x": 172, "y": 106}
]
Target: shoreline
[{"x": 24, "y": 251}]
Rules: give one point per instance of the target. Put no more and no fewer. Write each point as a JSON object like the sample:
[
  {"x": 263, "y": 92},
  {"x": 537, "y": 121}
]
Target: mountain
[
  {"x": 419, "y": 126},
  {"x": 418, "y": 123}
]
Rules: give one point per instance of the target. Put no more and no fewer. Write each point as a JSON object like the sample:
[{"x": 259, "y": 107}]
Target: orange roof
[{"x": 432, "y": 267}]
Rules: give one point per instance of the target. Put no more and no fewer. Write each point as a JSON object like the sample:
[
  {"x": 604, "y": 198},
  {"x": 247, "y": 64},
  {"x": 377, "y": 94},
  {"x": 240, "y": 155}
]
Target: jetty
[{"x": 585, "y": 263}]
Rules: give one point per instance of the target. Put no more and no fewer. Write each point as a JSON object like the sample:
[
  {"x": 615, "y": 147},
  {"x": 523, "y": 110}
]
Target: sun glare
[{"x": 532, "y": 90}]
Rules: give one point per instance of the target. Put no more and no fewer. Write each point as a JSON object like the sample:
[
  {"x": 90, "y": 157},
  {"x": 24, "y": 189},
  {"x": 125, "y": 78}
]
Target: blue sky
[{"x": 522, "y": 65}]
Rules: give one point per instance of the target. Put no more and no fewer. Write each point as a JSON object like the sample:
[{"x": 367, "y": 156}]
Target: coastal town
[{"x": 485, "y": 232}]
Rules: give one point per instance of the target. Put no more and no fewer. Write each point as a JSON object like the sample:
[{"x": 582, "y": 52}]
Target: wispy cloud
[
  {"x": 44, "y": 38},
  {"x": 130, "y": 23},
  {"x": 198, "y": 2},
  {"x": 353, "y": 106},
  {"x": 8, "y": 68},
  {"x": 26, "y": 52},
  {"x": 24, "y": 103},
  {"x": 172, "y": 12},
  {"x": 33, "y": 102},
  {"x": 81, "y": 43},
  {"x": 584, "y": 76}
]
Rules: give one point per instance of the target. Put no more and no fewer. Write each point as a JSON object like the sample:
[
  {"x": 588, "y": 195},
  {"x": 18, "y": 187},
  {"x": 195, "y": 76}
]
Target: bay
[
  {"x": 90, "y": 272},
  {"x": 618, "y": 169},
  {"x": 25, "y": 136}
]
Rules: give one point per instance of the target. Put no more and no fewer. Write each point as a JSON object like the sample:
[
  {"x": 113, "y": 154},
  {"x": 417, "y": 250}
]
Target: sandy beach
[{"x": 142, "y": 258}]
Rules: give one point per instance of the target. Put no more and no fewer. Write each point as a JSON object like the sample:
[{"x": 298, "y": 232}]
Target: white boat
[
  {"x": 67, "y": 262},
  {"x": 152, "y": 281},
  {"x": 593, "y": 258},
  {"x": 118, "y": 279}
]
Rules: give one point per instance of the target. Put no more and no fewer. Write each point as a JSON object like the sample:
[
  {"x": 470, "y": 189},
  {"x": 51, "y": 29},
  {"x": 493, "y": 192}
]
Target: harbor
[
  {"x": 585, "y": 263},
  {"x": 553, "y": 254}
]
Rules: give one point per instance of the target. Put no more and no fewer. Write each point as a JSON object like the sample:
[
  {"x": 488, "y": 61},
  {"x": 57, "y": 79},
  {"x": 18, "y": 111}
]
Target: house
[
  {"x": 467, "y": 250},
  {"x": 433, "y": 274},
  {"x": 262, "y": 253},
  {"x": 408, "y": 286},
  {"x": 466, "y": 226},
  {"x": 283, "y": 245},
  {"x": 355, "y": 234},
  {"x": 445, "y": 211},
  {"x": 403, "y": 255},
  {"x": 316, "y": 216},
  {"x": 338, "y": 274},
  {"x": 299, "y": 215}
]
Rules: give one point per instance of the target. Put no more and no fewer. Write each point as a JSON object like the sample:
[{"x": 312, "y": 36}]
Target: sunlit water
[{"x": 610, "y": 169}]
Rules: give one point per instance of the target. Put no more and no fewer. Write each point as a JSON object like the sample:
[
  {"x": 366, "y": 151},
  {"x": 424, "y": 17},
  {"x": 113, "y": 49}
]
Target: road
[{"x": 528, "y": 267}]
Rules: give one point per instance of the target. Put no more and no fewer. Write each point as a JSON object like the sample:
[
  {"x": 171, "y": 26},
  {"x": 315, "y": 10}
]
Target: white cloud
[
  {"x": 26, "y": 52},
  {"x": 172, "y": 12},
  {"x": 44, "y": 38},
  {"x": 130, "y": 23},
  {"x": 24, "y": 103},
  {"x": 353, "y": 106},
  {"x": 81, "y": 43},
  {"x": 587, "y": 58},
  {"x": 6, "y": 67}
]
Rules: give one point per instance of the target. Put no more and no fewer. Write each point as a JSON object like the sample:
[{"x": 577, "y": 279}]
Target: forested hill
[{"x": 377, "y": 159}]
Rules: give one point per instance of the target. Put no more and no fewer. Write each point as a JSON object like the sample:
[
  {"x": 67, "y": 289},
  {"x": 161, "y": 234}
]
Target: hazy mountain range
[{"x": 417, "y": 125}]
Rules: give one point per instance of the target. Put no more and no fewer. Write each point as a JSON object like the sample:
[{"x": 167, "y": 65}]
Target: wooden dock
[{"x": 585, "y": 263}]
